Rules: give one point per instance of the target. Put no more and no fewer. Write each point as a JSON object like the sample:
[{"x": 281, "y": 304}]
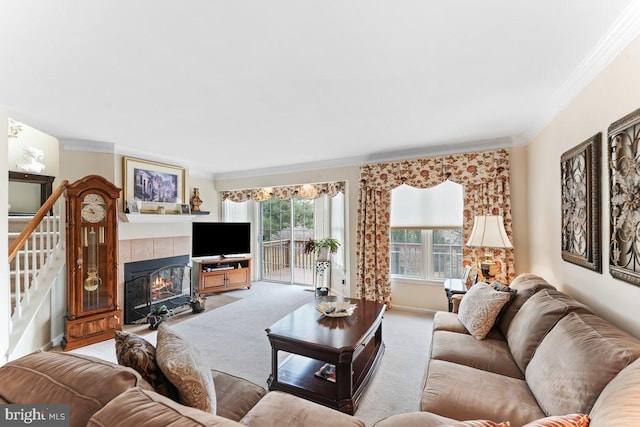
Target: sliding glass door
[{"x": 285, "y": 226}]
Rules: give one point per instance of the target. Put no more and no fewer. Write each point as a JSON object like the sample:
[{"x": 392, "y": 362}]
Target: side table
[{"x": 453, "y": 287}]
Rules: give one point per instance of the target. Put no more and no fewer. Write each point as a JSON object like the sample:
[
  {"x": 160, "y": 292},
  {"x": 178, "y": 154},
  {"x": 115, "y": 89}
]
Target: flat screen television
[{"x": 220, "y": 239}]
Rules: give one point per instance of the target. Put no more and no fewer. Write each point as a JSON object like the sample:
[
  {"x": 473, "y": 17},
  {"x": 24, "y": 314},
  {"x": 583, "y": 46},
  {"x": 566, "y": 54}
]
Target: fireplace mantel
[{"x": 154, "y": 218}]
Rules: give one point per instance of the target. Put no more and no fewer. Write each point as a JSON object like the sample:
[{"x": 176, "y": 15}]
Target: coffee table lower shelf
[{"x": 296, "y": 375}]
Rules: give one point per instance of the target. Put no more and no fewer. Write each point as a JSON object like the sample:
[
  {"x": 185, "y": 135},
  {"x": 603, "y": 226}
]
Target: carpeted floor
[{"x": 231, "y": 336}]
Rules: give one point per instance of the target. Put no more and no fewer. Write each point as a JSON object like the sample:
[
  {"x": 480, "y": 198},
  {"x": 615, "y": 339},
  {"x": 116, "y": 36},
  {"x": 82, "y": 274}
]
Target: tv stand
[{"x": 220, "y": 275}]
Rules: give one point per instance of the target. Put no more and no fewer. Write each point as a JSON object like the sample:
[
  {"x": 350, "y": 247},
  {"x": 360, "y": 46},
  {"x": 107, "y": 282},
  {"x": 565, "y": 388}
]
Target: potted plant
[
  {"x": 159, "y": 314},
  {"x": 197, "y": 303},
  {"x": 322, "y": 247}
]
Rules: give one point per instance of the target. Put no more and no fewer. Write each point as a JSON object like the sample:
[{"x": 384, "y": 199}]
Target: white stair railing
[{"x": 32, "y": 257}]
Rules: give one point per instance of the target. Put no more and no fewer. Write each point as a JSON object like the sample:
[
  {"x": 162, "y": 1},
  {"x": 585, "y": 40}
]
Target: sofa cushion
[
  {"x": 278, "y": 409},
  {"x": 570, "y": 380},
  {"x": 476, "y": 423},
  {"x": 427, "y": 419},
  {"x": 140, "y": 408},
  {"x": 186, "y": 370},
  {"x": 461, "y": 392},
  {"x": 525, "y": 286},
  {"x": 535, "y": 319},
  {"x": 447, "y": 321},
  {"x": 489, "y": 354},
  {"x": 617, "y": 405},
  {"x": 85, "y": 383},
  {"x": 235, "y": 396},
  {"x": 480, "y": 308},
  {"x": 137, "y": 353},
  {"x": 413, "y": 419},
  {"x": 571, "y": 420}
]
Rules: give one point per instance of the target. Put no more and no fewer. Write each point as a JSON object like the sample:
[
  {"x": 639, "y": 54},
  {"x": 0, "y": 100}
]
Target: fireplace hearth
[{"x": 153, "y": 283}]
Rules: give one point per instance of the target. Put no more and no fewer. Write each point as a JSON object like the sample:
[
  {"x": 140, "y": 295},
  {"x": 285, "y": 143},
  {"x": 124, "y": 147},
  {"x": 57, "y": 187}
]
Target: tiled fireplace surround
[{"x": 145, "y": 249}]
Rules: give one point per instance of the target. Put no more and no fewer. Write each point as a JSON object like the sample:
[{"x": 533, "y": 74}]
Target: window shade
[{"x": 436, "y": 207}]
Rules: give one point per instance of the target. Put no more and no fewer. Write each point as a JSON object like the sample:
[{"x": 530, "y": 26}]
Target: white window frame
[{"x": 428, "y": 260}]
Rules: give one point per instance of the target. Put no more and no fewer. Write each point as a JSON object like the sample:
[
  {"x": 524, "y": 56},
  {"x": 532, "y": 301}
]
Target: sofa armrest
[
  {"x": 455, "y": 302},
  {"x": 143, "y": 408},
  {"x": 278, "y": 409},
  {"x": 235, "y": 396}
]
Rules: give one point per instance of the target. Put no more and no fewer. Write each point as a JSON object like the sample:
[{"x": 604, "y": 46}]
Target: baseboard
[
  {"x": 55, "y": 342},
  {"x": 413, "y": 309}
]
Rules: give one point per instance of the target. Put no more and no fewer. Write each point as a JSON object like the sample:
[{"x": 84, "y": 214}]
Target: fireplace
[{"x": 155, "y": 282}]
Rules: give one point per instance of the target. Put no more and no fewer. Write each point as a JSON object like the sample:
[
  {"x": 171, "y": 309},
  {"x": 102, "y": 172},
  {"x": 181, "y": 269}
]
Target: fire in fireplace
[{"x": 162, "y": 281}]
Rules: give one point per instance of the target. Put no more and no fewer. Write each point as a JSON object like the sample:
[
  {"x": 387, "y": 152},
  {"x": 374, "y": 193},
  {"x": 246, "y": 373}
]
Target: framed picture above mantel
[{"x": 156, "y": 187}]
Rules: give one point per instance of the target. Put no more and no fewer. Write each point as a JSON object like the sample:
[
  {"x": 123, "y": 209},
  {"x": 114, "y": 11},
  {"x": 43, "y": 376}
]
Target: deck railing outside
[{"x": 277, "y": 256}]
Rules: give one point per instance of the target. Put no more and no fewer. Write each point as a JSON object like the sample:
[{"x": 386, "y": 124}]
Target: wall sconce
[{"x": 488, "y": 232}]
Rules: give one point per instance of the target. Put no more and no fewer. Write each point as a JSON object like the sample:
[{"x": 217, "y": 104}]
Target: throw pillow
[
  {"x": 477, "y": 423},
  {"x": 502, "y": 288},
  {"x": 480, "y": 307},
  {"x": 571, "y": 420},
  {"x": 135, "y": 352},
  {"x": 185, "y": 369}
]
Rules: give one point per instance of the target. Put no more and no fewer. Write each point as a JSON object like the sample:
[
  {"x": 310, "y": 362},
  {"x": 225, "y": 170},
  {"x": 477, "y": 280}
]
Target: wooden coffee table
[{"x": 353, "y": 344}]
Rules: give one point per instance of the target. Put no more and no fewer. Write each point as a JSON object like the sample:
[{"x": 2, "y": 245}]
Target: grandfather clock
[{"x": 92, "y": 262}]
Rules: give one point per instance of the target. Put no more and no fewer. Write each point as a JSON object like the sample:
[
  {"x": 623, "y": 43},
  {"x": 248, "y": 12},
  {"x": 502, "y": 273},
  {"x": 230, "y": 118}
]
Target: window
[
  {"x": 426, "y": 254},
  {"x": 426, "y": 232}
]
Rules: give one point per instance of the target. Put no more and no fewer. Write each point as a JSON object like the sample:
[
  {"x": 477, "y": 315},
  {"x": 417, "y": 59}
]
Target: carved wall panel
[
  {"x": 624, "y": 203},
  {"x": 580, "y": 175}
]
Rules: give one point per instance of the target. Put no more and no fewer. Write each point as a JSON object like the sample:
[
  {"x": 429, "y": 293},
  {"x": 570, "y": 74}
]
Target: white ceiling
[{"x": 242, "y": 87}]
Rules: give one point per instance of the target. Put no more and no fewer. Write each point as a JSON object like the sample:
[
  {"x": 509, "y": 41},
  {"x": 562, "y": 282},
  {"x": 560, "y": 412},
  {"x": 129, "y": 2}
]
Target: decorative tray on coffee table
[{"x": 336, "y": 308}]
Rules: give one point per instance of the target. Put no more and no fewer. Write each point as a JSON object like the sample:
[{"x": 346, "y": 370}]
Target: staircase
[{"x": 36, "y": 261}]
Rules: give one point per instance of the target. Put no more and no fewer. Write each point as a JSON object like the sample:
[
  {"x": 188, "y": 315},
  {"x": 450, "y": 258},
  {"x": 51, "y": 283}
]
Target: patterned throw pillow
[
  {"x": 186, "y": 370},
  {"x": 477, "y": 423},
  {"x": 135, "y": 352},
  {"x": 480, "y": 308},
  {"x": 571, "y": 420}
]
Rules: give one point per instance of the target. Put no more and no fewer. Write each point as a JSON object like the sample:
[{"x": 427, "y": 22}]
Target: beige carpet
[{"x": 232, "y": 338}]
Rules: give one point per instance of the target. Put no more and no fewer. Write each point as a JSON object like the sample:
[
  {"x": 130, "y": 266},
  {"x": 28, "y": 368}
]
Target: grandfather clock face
[{"x": 93, "y": 260}]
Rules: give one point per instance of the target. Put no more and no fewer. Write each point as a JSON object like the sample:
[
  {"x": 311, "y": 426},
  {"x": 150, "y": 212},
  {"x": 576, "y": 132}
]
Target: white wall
[
  {"x": 25, "y": 197},
  {"x": 612, "y": 95},
  {"x": 209, "y": 197},
  {"x": 30, "y": 137},
  {"x": 5, "y": 291}
]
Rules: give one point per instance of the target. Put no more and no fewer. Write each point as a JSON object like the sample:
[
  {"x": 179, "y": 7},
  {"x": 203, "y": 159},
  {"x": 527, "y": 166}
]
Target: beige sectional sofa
[
  {"x": 104, "y": 394},
  {"x": 547, "y": 355}
]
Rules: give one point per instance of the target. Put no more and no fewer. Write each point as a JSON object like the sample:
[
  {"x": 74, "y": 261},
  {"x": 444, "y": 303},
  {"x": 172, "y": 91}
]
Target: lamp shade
[{"x": 488, "y": 232}]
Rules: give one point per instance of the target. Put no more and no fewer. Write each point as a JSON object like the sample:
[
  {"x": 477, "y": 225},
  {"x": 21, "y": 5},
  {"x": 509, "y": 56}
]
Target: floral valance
[
  {"x": 306, "y": 191},
  {"x": 465, "y": 169}
]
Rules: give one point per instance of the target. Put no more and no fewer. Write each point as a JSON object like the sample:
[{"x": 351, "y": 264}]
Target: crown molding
[
  {"x": 425, "y": 151},
  {"x": 623, "y": 31},
  {"x": 87, "y": 145}
]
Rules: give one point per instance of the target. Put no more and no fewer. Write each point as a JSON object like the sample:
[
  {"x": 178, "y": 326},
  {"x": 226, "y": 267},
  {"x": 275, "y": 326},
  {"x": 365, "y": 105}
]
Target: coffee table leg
[
  {"x": 344, "y": 383},
  {"x": 273, "y": 378}
]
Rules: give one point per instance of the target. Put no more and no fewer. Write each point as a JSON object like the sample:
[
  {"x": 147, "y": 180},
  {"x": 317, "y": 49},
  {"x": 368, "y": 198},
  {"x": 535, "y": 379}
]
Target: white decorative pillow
[
  {"x": 186, "y": 370},
  {"x": 480, "y": 308}
]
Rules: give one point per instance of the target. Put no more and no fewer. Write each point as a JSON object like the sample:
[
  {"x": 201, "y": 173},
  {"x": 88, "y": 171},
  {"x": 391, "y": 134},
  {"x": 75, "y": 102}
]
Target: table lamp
[{"x": 488, "y": 232}]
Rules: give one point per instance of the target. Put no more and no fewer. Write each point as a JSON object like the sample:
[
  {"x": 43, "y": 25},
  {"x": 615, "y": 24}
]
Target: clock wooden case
[{"x": 92, "y": 269}]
